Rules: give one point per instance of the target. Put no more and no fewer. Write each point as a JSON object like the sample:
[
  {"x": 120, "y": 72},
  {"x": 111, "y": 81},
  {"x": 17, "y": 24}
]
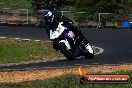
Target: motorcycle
[
  {"x": 71, "y": 44},
  {"x": 66, "y": 40}
]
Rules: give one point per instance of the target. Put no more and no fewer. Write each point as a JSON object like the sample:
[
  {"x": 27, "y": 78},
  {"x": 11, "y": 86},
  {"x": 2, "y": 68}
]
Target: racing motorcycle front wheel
[{"x": 65, "y": 51}]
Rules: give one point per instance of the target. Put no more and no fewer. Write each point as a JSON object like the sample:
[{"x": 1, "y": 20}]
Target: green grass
[
  {"x": 66, "y": 81},
  {"x": 12, "y": 51},
  {"x": 15, "y": 4}
]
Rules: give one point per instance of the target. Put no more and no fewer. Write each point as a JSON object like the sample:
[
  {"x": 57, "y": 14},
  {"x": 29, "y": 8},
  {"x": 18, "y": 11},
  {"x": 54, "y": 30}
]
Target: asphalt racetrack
[{"x": 116, "y": 43}]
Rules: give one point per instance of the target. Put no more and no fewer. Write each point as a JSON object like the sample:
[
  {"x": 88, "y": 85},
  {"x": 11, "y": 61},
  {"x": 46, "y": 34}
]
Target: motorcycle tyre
[{"x": 66, "y": 52}]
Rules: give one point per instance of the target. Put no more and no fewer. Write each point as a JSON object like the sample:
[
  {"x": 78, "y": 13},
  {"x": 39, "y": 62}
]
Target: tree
[{"x": 96, "y": 6}]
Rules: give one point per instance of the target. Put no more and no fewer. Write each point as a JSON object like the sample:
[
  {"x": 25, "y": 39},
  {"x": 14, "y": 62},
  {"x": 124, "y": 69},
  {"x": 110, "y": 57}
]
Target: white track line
[
  {"x": 15, "y": 38},
  {"x": 49, "y": 41},
  {"x": 37, "y": 40},
  {"x": 3, "y": 37},
  {"x": 26, "y": 39}
]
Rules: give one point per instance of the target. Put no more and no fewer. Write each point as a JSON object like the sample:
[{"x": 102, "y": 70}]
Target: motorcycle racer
[
  {"x": 52, "y": 22},
  {"x": 65, "y": 37}
]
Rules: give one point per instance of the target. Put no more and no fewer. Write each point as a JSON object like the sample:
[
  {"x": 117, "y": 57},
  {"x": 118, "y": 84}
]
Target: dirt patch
[{"x": 21, "y": 76}]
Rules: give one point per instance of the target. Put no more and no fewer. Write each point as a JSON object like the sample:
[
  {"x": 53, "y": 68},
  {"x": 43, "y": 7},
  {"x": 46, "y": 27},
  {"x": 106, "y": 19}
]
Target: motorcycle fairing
[{"x": 55, "y": 34}]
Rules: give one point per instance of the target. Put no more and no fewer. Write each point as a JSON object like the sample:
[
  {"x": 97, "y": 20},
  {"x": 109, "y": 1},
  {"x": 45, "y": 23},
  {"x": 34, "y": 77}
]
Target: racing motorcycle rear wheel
[{"x": 65, "y": 51}]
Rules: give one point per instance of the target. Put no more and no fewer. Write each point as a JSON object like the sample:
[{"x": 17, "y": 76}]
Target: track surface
[{"x": 117, "y": 45}]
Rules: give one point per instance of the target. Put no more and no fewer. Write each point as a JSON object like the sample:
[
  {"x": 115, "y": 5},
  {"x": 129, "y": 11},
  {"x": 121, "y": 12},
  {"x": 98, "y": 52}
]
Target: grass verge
[
  {"x": 15, "y": 4},
  {"x": 66, "y": 81},
  {"x": 14, "y": 51}
]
